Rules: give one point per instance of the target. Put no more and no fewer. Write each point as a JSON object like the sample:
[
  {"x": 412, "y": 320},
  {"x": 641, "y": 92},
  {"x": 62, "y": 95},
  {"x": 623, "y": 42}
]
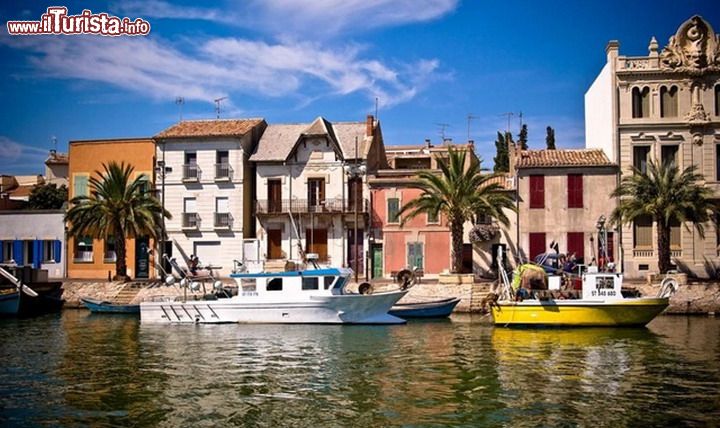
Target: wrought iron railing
[
  {"x": 223, "y": 171},
  {"x": 223, "y": 220},
  {"x": 190, "y": 220},
  {"x": 191, "y": 172},
  {"x": 300, "y": 206}
]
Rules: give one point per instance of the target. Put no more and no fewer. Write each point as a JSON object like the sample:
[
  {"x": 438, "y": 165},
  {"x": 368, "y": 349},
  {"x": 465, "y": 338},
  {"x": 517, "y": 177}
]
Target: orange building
[{"x": 95, "y": 258}]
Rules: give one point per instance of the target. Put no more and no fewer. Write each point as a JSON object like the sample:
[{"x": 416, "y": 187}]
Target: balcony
[
  {"x": 223, "y": 172},
  {"x": 643, "y": 253},
  {"x": 223, "y": 221},
  {"x": 302, "y": 206},
  {"x": 191, "y": 173},
  {"x": 190, "y": 221}
]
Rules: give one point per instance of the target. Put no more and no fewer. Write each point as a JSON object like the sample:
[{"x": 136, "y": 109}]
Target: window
[
  {"x": 575, "y": 191},
  {"x": 191, "y": 172},
  {"x": 415, "y": 255},
  {"x": 668, "y": 101},
  {"x": 576, "y": 245},
  {"x": 393, "y": 208},
  {"x": 668, "y": 154},
  {"x": 640, "y": 102},
  {"x": 642, "y": 232},
  {"x": 80, "y": 185},
  {"x": 537, "y": 191},
  {"x": 640, "y": 158},
  {"x": 222, "y": 212},
  {"x": 84, "y": 249},
  {"x": 145, "y": 183},
  {"x": 310, "y": 283},
  {"x": 190, "y": 158},
  {"x": 274, "y": 189},
  {"x": 110, "y": 255},
  {"x": 189, "y": 215},
  {"x": 537, "y": 244},
  {"x": 29, "y": 250},
  {"x": 328, "y": 281},
  {"x": 355, "y": 194},
  {"x": 433, "y": 217},
  {"x": 222, "y": 164},
  {"x": 275, "y": 284},
  {"x": 316, "y": 192},
  {"x": 675, "y": 243},
  {"x": 7, "y": 251},
  {"x": 717, "y": 162},
  {"x": 717, "y": 100}
]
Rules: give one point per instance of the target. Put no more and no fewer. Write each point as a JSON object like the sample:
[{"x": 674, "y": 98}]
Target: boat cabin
[
  {"x": 301, "y": 283},
  {"x": 602, "y": 286}
]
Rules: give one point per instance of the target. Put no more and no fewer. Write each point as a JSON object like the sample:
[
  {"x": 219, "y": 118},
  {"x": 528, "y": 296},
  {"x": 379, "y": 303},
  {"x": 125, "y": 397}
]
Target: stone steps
[
  {"x": 478, "y": 292},
  {"x": 127, "y": 294}
]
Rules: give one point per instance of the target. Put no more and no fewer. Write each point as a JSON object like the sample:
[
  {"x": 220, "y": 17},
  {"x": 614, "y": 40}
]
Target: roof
[
  {"x": 278, "y": 141},
  {"x": 562, "y": 158},
  {"x": 210, "y": 128},
  {"x": 57, "y": 159}
]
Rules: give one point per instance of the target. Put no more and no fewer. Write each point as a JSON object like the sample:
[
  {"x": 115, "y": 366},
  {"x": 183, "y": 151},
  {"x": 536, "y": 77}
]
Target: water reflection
[{"x": 77, "y": 369}]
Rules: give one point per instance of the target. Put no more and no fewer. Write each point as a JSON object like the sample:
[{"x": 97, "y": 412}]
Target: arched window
[
  {"x": 717, "y": 100},
  {"x": 641, "y": 102},
  {"x": 668, "y": 101}
]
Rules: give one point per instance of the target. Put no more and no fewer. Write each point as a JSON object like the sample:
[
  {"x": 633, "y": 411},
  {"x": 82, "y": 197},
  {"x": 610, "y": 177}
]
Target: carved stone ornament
[
  {"x": 697, "y": 139},
  {"x": 697, "y": 114},
  {"x": 694, "y": 48}
]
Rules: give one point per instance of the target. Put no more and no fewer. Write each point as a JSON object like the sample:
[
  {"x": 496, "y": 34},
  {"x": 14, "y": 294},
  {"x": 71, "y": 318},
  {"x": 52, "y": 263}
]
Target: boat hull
[
  {"x": 48, "y": 300},
  {"x": 332, "y": 309},
  {"x": 569, "y": 313},
  {"x": 433, "y": 309},
  {"x": 100, "y": 306}
]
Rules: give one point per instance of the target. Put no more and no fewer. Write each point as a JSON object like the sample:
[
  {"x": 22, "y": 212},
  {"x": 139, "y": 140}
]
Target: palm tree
[
  {"x": 668, "y": 196},
  {"x": 118, "y": 208},
  {"x": 461, "y": 193}
]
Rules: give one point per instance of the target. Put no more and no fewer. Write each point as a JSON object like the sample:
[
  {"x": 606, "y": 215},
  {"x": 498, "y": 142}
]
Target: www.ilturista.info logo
[{"x": 57, "y": 21}]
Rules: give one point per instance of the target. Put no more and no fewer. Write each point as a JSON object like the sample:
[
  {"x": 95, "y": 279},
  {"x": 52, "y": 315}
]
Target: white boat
[{"x": 316, "y": 296}]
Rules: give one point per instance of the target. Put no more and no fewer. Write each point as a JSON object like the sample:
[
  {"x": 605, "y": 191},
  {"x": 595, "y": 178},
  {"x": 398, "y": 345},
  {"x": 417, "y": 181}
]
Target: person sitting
[{"x": 194, "y": 262}]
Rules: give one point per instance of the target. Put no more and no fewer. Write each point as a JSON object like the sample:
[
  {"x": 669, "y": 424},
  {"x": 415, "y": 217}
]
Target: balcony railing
[
  {"x": 190, "y": 221},
  {"x": 223, "y": 172},
  {"x": 191, "y": 173},
  {"x": 675, "y": 253},
  {"x": 300, "y": 206},
  {"x": 643, "y": 253},
  {"x": 83, "y": 256},
  {"x": 223, "y": 220}
]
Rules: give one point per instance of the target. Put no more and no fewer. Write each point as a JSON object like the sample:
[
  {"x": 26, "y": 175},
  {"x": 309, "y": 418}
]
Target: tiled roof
[
  {"x": 562, "y": 158},
  {"x": 210, "y": 128},
  {"x": 278, "y": 141},
  {"x": 57, "y": 159}
]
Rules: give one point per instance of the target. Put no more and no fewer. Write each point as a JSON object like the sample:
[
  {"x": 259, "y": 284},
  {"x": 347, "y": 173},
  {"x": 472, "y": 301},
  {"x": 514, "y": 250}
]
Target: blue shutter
[
  {"x": 37, "y": 253},
  {"x": 58, "y": 249},
  {"x": 2, "y": 244},
  {"x": 18, "y": 251}
]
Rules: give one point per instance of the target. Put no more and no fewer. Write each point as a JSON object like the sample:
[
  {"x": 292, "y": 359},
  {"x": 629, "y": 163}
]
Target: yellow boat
[{"x": 601, "y": 304}]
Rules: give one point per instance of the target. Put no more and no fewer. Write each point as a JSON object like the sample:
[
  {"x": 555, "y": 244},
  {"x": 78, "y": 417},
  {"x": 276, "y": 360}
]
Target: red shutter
[
  {"x": 576, "y": 244},
  {"x": 575, "y": 191},
  {"x": 537, "y": 245},
  {"x": 537, "y": 191}
]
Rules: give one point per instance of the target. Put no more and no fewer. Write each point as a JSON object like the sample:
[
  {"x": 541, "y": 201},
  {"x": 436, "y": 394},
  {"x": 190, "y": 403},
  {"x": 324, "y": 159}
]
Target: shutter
[
  {"x": 537, "y": 245},
  {"x": 537, "y": 191},
  {"x": 2, "y": 247},
  {"x": 18, "y": 251},
  {"x": 576, "y": 244},
  {"x": 37, "y": 253},
  {"x": 58, "y": 250},
  {"x": 575, "y": 191}
]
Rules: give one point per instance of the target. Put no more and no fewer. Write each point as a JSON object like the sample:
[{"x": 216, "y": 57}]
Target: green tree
[
  {"x": 48, "y": 197},
  {"x": 523, "y": 137},
  {"x": 461, "y": 193},
  {"x": 502, "y": 156},
  {"x": 668, "y": 196},
  {"x": 550, "y": 138},
  {"x": 117, "y": 207}
]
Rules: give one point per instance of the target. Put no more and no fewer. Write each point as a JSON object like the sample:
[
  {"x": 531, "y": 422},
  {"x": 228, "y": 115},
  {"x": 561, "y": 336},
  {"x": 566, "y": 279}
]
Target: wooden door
[
  {"x": 274, "y": 244},
  {"x": 274, "y": 196},
  {"x": 316, "y": 242}
]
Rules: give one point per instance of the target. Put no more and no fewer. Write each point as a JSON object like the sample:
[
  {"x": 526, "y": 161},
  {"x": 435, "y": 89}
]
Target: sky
[{"x": 429, "y": 63}]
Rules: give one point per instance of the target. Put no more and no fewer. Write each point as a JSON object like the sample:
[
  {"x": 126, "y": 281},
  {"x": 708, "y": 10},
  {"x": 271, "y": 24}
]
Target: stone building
[
  {"x": 207, "y": 186},
  {"x": 663, "y": 106},
  {"x": 311, "y": 193}
]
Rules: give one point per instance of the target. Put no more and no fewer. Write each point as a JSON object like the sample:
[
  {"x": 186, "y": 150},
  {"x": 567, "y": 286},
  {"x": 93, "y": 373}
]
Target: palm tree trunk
[
  {"x": 456, "y": 230},
  {"x": 120, "y": 262},
  {"x": 663, "y": 237}
]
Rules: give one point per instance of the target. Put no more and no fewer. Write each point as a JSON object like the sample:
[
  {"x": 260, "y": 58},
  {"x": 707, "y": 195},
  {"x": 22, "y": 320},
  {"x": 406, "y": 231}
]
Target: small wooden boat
[
  {"x": 18, "y": 299},
  {"x": 428, "y": 309},
  {"x": 104, "y": 306}
]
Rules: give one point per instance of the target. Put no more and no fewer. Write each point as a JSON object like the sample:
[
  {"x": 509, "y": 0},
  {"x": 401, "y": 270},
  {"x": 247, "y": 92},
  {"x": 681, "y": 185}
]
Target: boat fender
[
  {"x": 365, "y": 288},
  {"x": 169, "y": 280},
  {"x": 668, "y": 287},
  {"x": 406, "y": 278}
]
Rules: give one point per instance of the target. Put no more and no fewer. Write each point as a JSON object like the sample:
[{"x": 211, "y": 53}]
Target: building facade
[
  {"x": 95, "y": 258},
  {"x": 665, "y": 107},
  {"x": 34, "y": 237},
  {"x": 561, "y": 196},
  {"x": 206, "y": 182},
  {"x": 56, "y": 168},
  {"x": 311, "y": 192}
]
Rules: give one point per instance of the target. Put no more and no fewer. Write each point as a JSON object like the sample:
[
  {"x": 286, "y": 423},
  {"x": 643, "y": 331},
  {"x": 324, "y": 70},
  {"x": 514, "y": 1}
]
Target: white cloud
[
  {"x": 20, "y": 157},
  {"x": 225, "y": 66},
  {"x": 313, "y": 18}
]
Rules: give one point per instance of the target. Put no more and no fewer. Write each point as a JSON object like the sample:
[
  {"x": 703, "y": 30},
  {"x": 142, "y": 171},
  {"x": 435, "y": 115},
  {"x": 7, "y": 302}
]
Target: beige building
[
  {"x": 311, "y": 193},
  {"x": 663, "y": 106},
  {"x": 561, "y": 195},
  {"x": 57, "y": 168}
]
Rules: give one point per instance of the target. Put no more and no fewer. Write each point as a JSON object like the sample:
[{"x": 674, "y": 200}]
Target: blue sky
[{"x": 428, "y": 62}]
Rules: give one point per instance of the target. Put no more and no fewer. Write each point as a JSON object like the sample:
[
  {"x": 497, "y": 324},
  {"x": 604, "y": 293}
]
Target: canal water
[{"x": 77, "y": 369}]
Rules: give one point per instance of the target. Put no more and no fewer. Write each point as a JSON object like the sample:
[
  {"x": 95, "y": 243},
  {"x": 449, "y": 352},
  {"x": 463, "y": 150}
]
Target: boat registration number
[{"x": 603, "y": 293}]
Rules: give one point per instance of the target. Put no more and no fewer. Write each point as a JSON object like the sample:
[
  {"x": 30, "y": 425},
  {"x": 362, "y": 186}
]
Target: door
[
  {"x": 467, "y": 261},
  {"x": 355, "y": 202},
  {"x": 316, "y": 242},
  {"x": 274, "y": 250},
  {"x": 377, "y": 258},
  {"x": 142, "y": 257},
  {"x": 274, "y": 196},
  {"x": 316, "y": 194},
  {"x": 360, "y": 267}
]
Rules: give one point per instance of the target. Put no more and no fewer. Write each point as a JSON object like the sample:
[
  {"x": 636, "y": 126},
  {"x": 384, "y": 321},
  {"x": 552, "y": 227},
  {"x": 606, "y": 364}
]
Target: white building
[
  {"x": 34, "y": 237},
  {"x": 208, "y": 186},
  {"x": 315, "y": 172},
  {"x": 663, "y": 106}
]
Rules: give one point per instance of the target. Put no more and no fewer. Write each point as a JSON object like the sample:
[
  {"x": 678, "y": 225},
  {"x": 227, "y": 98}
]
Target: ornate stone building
[{"x": 664, "y": 106}]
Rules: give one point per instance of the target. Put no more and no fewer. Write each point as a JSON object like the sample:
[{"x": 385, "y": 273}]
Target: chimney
[
  {"x": 369, "y": 125},
  {"x": 612, "y": 50},
  {"x": 428, "y": 144}
]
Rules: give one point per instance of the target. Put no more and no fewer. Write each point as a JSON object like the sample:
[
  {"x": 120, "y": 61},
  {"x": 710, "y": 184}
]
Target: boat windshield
[{"x": 339, "y": 285}]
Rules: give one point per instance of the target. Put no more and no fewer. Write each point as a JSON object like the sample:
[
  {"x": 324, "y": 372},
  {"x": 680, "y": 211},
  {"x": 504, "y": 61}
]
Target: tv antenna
[
  {"x": 217, "y": 105},
  {"x": 54, "y": 143},
  {"x": 376, "y": 109},
  {"x": 509, "y": 115},
  {"x": 179, "y": 101},
  {"x": 443, "y": 127},
  {"x": 470, "y": 117},
  {"x": 521, "y": 121}
]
